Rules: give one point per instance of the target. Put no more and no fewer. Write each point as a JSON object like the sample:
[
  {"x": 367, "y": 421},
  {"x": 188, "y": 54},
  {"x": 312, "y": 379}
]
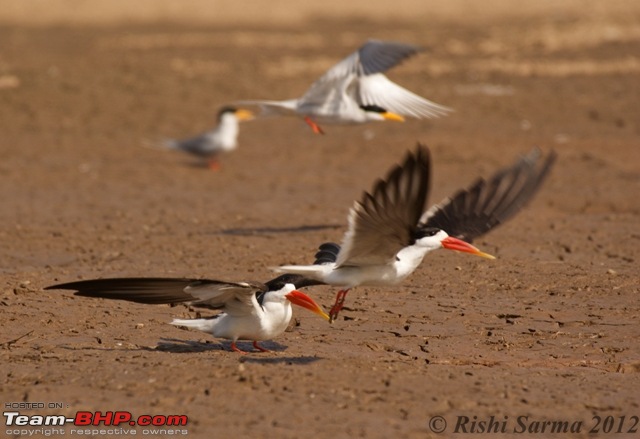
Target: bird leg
[
  {"x": 337, "y": 306},
  {"x": 314, "y": 126},
  {"x": 260, "y": 348},
  {"x": 214, "y": 165},
  {"x": 235, "y": 348}
]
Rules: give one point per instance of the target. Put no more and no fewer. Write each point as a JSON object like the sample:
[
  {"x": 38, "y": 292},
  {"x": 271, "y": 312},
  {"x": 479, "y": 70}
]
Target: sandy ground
[{"x": 548, "y": 331}]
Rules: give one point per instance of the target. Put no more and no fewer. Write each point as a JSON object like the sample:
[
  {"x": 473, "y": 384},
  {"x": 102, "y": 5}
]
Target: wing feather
[
  {"x": 474, "y": 211},
  {"x": 370, "y": 59},
  {"x": 378, "y": 90},
  {"x": 379, "y": 56},
  {"x": 383, "y": 221},
  {"x": 199, "y": 292}
]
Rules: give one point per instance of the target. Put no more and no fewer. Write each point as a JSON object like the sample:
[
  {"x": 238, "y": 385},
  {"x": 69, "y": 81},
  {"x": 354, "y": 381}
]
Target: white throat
[
  {"x": 227, "y": 132},
  {"x": 408, "y": 259},
  {"x": 277, "y": 318}
]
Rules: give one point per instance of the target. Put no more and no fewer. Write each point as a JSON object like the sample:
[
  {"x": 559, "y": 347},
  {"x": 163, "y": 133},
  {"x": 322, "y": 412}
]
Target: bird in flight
[
  {"x": 356, "y": 91},
  {"x": 389, "y": 233}
]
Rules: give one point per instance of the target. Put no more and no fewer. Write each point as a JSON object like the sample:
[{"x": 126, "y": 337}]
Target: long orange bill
[
  {"x": 451, "y": 243},
  {"x": 392, "y": 116},
  {"x": 243, "y": 114},
  {"x": 299, "y": 298}
]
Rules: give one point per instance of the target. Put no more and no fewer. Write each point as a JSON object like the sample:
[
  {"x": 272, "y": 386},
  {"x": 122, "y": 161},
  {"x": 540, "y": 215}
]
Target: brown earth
[{"x": 549, "y": 330}]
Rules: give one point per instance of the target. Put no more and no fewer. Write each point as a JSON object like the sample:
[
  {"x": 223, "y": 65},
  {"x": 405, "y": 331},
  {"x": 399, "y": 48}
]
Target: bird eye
[{"x": 426, "y": 232}]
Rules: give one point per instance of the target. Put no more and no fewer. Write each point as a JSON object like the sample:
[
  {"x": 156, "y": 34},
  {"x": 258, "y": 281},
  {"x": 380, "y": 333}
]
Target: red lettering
[
  {"x": 83, "y": 418},
  {"x": 120, "y": 417},
  {"x": 177, "y": 420},
  {"x": 99, "y": 418}
]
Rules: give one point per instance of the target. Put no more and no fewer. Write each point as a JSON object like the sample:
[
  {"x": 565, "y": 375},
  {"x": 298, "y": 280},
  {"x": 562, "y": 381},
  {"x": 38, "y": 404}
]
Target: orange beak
[
  {"x": 242, "y": 114},
  {"x": 299, "y": 298},
  {"x": 451, "y": 243},
  {"x": 392, "y": 116}
]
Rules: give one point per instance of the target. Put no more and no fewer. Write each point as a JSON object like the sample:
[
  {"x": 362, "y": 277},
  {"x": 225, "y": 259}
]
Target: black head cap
[
  {"x": 422, "y": 232},
  {"x": 226, "y": 109},
  {"x": 297, "y": 280},
  {"x": 373, "y": 108}
]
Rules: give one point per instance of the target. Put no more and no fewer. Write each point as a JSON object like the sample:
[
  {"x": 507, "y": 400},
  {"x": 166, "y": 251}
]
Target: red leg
[
  {"x": 235, "y": 348},
  {"x": 314, "y": 126},
  {"x": 260, "y": 348},
  {"x": 214, "y": 165},
  {"x": 337, "y": 306}
]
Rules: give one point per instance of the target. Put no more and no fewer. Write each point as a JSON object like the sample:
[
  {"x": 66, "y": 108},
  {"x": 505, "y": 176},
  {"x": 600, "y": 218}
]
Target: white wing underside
[
  {"x": 333, "y": 101},
  {"x": 345, "y": 87},
  {"x": 378, "y": 90},
  {"x": 362, "y": 247}
]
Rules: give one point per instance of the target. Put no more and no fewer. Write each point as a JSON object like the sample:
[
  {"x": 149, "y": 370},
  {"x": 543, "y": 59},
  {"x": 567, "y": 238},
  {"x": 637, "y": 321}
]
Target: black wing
[
  {"x": 199, "y": 292},
  {"x": 384, "y": 221},
  {"x": 486, "y": 204},
  {"x": 379, "y": 56},
  {"x": 327, "y": 253}
]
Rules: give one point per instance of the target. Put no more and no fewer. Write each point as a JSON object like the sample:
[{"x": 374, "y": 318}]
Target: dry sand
[{"x": 549, "y": 330}]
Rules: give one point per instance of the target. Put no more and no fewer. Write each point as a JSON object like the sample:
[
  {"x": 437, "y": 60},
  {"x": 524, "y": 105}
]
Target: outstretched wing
[
  {"x": 372, "y": 58},
  {"x": 378, "y": 90},
  {"x": 383, "y": 221},
  {"x": 199, "y": 292},
  {"x": 474, "y": 211}
]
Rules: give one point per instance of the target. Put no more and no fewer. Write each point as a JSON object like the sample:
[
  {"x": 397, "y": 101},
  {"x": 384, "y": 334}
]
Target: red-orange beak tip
[
  {"x": 301, "y": 299},
  {"x": 451, "y": 243}
]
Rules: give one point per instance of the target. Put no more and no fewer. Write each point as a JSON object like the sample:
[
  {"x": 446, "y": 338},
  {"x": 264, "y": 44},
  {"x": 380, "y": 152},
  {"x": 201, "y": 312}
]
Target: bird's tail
[
  {"x": 315, "y": 272},
  {"x": 274, "y": 108},
  {"x": 160, "y": 144},
  {"x": 169, "y": 144},
  {"x": 206, "y": 325},
  {"x": 326, "y": 257}
]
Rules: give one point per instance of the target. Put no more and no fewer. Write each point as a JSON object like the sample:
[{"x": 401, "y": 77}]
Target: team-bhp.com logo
[{"x": 85, "y": 419}]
